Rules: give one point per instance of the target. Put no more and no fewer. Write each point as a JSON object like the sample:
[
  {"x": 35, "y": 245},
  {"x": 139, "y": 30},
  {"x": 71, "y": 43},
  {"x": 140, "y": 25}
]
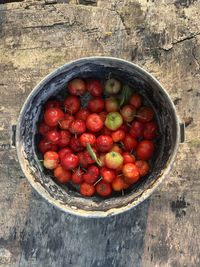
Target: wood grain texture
[{"x": 164, "y": 38}]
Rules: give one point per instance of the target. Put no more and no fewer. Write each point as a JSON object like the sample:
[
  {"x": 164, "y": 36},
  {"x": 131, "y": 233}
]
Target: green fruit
[
  {"x": 112, "y": 86},
  {"x": 113, "y": 121}
]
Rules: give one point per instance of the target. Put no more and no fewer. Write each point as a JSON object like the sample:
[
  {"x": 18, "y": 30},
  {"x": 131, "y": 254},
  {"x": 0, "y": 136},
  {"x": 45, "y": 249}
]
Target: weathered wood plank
[{"x": 164, "y": 38}]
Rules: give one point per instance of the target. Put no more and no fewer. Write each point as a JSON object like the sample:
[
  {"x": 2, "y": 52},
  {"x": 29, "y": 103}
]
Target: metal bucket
[{"x": 99, "y": 67}]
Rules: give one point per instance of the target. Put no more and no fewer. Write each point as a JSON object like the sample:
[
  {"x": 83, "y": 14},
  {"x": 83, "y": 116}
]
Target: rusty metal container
[{"x": 68, "y": 200}]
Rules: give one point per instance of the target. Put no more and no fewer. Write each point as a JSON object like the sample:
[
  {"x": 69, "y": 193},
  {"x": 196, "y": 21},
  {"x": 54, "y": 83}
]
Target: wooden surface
[{"x": 163, "y": 37}]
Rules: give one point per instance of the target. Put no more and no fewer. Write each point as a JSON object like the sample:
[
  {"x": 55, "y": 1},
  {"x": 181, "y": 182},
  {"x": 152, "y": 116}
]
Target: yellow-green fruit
[
  {"x": 113, "y": 160},
  {"x": 113, "y": 121},
  {"x": 112, "y": 86}
]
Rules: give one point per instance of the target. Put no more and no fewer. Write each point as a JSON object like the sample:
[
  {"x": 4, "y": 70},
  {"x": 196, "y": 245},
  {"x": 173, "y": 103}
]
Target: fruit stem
[
  {"x": 98, "y": 180},
  {"x": 60, "y": 124},
  {"x": 67, "y": 109}
]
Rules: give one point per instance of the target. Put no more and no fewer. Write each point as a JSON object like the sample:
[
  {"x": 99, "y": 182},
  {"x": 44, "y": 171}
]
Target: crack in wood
[
  {"x": 180, "y": 41},
  {"x": 54, "y": 2},
  {"x": 87, "y": 2},
  {"x": 10, "y": 1},
  {"x": 122, "y": 21},
  {"x": 46, "y": 26}
]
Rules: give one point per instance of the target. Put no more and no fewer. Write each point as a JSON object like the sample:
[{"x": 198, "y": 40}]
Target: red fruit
[
  {"x": 51, "y": 160},
  {"x": 76, "y": 145},
  {"x": 113, "y": 160},
  {"x": 72, "y": 104},
  {"x": 125, "y": 128},
  {"x": 150, "y": 130},
  {"x": 111, "y": 104},
  {"x": 136, "y": 100},
  {"x": 91, "y": 175},
  {"x": 128, "y": 158},
  {"x": 52, "y": 104},
  {"x": 145, "y": 149},
  {"x": 82, "y": 114},
  {"x": 106, "y": 131},
  {"x": 51, "y": 155},
  {"x": 137, "y": 129},
  {"x": 103, "y": 115},
  {"x": 77, "y": 127},
  {"x": 69, "y": 161},
  {"x": 87, "y": 156},
  {"x": 82, "y": 159},
  {"x": 44, "y": 146},
  {"x": 118, "y": 183},
  {"x": 96, "y": 105},
  {"x": 95, "y": 88},
  {"x": 116, "y": 148},
  {"x": 64, "y": 151},
  {"x": 118, "y": 135},
  {"x": 131, "y": 173},
  {"x": 87, "y": 190},
  {"x": 103, "y": 189},
  {"x": 107, "y": 174},
  {"x": 119, "y": 169},
  {"x": 44, "y": 128},
  {"x": 94, "y": 122},
  {"x": 53, "y": 136},
  {"x": 129, "y": 142},
  {"x": 87, "y": 138},
  {"x": 77, "y": 87},
  {"x": 145, "y": 114},
  {"x": 126, "y": 185},
  {"x": 101, "y": 158},
  {"x": 77, "y": 176},
  {"x": 64, "y": 138},
  {"x": 52, "y": 116},
  {"x": 66, "y": 122},
  {"x": 128, "y": 112},
  {"x": 143, "y": 167},
  {"x": 104, "y": 143},
  {"x": 62, "y": 175}
]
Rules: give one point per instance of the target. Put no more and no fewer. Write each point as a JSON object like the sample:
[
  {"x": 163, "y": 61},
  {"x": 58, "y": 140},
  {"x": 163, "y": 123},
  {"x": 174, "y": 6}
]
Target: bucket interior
[{"x": 55, "y": 85}]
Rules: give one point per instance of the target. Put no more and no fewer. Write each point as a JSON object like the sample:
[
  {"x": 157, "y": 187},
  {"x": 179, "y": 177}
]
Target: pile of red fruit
[{"x": 102, "y": 147}]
